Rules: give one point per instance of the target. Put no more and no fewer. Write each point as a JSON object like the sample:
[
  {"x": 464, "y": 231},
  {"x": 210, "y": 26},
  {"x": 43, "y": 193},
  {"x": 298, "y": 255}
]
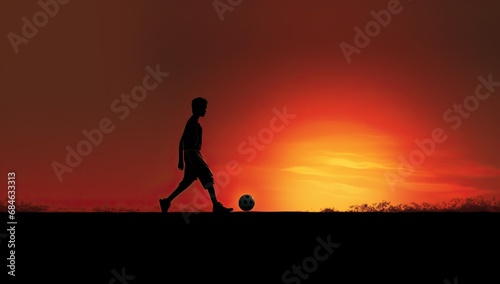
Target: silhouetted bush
[
  {"x": 107, "y": 209},
  {"x": 469, "y": 204},
  {"x": 475, "y": 204},
  {"x": 22, "y": 206}
]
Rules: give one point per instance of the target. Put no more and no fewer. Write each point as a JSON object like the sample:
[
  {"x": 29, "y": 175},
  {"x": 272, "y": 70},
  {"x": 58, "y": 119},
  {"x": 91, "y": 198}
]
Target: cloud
[{"x": 342, "y": 162}]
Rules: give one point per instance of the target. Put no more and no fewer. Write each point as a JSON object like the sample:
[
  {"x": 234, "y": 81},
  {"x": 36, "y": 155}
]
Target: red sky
[{"x": 349, "y": 124}]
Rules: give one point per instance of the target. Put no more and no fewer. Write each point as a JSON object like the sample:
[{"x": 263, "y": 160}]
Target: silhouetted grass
[
  {"x": 113, "y": 209},
  {"x": 470, "y": 204},
  {"x": 23, "y": 206}
]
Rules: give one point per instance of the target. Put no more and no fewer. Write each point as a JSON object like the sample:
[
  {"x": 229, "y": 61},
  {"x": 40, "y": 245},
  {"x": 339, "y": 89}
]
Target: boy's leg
[
  {"x": 165, "y": 203},
  {"x": 217, "y": 206},
  {"x": 183, "y": 185},
  {"x": 207, "y": 180},
  {"x": 211, "y": 193},
  {"x": 189, "y": 177}
]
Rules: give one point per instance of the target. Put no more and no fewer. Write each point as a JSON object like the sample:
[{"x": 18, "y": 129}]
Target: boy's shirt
[{"x": 192, "y": 134}]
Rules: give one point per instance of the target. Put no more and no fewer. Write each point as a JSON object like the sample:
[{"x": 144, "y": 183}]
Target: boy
[{"x": 196, "y": 167}]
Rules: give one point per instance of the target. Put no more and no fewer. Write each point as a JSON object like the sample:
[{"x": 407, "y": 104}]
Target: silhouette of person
[{"x": 195, "y": 166}]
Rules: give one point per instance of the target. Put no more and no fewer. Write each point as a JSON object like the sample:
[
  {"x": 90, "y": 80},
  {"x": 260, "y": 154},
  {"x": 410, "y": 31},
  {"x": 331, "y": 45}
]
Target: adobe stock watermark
[
  {"x": 362, "y": 38},
  {"x": 249, "y": 149},
  {"x": 2, "y": 236},
  {"x": 223, "y": 6},
  {"x": 122, "y": 277},
  {"x": 121, "y": 107},
  {"x": 297, "y": 273},
  {"x": 455, "y": 281},
  {"x": 29, "y": 29},
  {"x": 455, "y": 116}
]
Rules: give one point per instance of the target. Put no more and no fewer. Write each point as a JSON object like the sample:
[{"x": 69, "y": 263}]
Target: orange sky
[{"x": 349, "y": 126}]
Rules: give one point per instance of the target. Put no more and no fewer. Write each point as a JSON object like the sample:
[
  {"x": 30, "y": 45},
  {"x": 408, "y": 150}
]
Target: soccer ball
[{"x": 246, "y": 202}]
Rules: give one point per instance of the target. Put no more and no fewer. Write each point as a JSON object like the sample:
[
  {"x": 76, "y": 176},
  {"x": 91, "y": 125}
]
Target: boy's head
[{"x": 199, "y": 106}]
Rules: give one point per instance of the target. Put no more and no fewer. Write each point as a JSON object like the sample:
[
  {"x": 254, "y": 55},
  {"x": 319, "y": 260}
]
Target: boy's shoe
[
  {"x": 164, "y": 205},
  {"x": 219, "y": 208}
]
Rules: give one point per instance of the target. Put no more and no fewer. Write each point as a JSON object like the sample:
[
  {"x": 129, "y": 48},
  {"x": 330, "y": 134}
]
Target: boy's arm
[{"x": 180, "y": 165}]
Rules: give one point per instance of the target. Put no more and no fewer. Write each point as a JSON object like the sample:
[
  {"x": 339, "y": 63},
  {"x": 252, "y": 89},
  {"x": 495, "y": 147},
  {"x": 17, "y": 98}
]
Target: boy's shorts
[{"x": 197, "y": 168}]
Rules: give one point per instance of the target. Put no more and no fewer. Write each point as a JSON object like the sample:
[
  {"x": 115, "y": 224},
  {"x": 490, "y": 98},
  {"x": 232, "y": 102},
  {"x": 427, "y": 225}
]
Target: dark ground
[{"x": 256, "y": 247}]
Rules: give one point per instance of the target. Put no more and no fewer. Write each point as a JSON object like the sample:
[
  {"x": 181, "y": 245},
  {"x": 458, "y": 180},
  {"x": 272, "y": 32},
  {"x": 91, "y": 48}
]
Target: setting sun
[{"x": 328, "y": 164}]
